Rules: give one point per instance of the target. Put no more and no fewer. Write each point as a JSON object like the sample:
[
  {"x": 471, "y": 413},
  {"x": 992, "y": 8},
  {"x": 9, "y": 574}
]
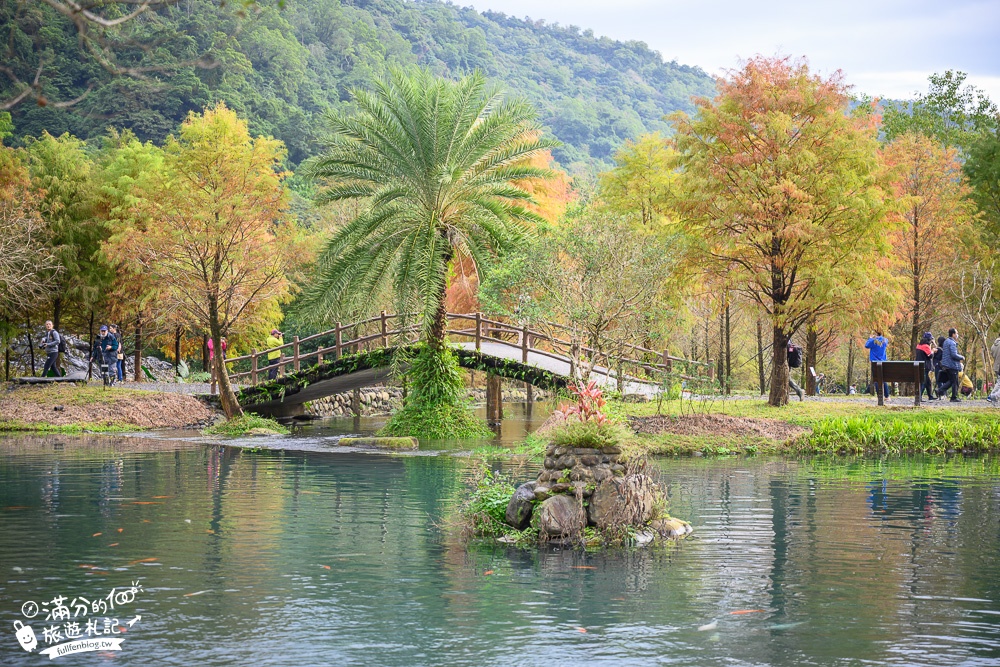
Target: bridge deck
[{"x": 561, "y": 366}]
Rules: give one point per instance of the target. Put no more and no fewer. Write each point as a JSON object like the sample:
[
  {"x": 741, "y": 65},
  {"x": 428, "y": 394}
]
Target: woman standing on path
[{"x": 925, "y": 353}]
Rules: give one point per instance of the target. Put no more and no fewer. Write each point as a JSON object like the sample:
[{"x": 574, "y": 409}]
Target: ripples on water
[{"x": 282, "y": 558}]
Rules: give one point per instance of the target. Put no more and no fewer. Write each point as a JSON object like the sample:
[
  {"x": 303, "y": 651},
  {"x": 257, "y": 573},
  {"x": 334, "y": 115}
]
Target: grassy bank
[
  {"x": 62, "y": 408},
  {"x": 856, "y": 427}
]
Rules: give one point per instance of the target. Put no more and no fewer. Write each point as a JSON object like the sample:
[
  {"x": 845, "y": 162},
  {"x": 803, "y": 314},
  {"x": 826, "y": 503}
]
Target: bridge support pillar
[
  {"x": 356, "y": 402},
  {"x": 494, "y": 399}
]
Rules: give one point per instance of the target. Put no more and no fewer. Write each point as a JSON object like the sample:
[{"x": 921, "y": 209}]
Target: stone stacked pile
[{"x": 581, "y": 487}]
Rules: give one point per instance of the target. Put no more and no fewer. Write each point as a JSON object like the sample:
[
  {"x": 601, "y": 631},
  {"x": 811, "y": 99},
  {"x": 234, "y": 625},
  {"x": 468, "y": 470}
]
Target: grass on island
[{"x": 248, "y": 423}]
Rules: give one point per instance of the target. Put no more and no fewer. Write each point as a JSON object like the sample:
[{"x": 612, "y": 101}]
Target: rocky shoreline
[{"x": 383, "y": 400}]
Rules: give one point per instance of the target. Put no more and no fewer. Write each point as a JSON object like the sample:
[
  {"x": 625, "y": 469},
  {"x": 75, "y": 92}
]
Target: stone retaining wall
[{"x": 380, "y": 400}]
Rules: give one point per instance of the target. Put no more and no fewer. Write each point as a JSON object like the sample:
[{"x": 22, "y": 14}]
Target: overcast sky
[{"x": 885, "y": 48}]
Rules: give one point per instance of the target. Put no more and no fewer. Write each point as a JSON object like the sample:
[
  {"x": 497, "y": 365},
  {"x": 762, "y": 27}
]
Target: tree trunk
[
  {"x": 138, "y": 348},
  {"x": 439, "y": 327},
  {"x": 90, "y": 341},
  {"x": 729, "y": 348},
  {"x": 779, "y": 367},
  {"x": 720, "y": 364},
  {"x": 204, "y": 354},
  {"x": 812, "y": 340},
  {"x": 31, "y": 344},
  {"x": 226, "y": 395},
  {"x": 177, "y": 351},
  {"x": 56, "y": 313},
  {"x": 850, "y": 364},
  {"x": 760, "y": 358},
  {"x": 915, "y": 326}
]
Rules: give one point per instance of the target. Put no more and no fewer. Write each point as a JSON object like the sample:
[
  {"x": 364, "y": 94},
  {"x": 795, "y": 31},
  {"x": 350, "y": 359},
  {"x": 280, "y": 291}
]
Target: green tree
[
  {"x": 438, "y": 164},
  {"x": 950, "y": 113},
  {"x": 642, "y": 179},
  {"x": 593, "y": 277},
  {"x": 213, "y": 229},
  {"x": 780, "y": 195},
  {"x": 65, "y": 175}
]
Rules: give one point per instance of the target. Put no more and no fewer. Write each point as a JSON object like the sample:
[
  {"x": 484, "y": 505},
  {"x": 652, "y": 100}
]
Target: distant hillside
[{"x": 284, "y": 66}]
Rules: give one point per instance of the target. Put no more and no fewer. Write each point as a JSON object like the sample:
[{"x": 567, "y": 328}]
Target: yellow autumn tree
[{"x": 217, "y": 247}]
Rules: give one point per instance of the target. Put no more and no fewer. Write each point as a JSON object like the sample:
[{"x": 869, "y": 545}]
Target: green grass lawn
[{"x": 848, "y": 426}]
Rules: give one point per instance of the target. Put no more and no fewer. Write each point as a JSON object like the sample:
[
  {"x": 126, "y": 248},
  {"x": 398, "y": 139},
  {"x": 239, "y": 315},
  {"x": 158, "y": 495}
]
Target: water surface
[{"x": 302, "y": 558}]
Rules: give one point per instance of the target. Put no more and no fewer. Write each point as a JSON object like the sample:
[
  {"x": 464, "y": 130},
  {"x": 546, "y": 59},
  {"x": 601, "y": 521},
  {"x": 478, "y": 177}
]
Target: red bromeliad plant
[{"x": 589, "y": 401}]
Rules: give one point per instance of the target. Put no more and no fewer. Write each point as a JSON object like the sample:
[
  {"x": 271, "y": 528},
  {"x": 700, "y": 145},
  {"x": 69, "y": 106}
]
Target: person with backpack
[
  {"x": 105, "y": 352},
  {"x": 794, "y": 361},
  {"x": 951, "y": 364},
  {"x": 995, "y": 352},
  {"x": 925, "y": 353},
  {"x": 52, "y": 342},
  {"x": 877, "y": 346}
]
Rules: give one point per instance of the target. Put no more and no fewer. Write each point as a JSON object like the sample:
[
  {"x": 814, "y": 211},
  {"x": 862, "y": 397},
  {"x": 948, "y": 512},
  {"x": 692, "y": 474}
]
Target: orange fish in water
[
  {"x": 17, "y": 507},
  {"x": 326, "y": 567},
  {"x": 115, "y": 544},
  {"x": 146, "y": 502},
  {"x": 487, "y": 573},
  {"x": 583, "y": 630},
  {"x": 121, "y": 530},
  {"x": 144, "y": 560},
  {"x": 97, "y": 534},
  {"x": 162, "y": 496},
  {"x": 92, "y": 567},
  {"x": 748, "y": 611},
  {"x": 146, "y": 521},
  {"x": 582, "y": 567}
]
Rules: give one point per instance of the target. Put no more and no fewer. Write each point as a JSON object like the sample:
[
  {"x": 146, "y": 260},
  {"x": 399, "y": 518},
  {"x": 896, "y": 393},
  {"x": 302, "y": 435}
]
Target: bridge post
[
  {"x": 319, "y": 358},
  {"x": 337, "y": 350},
  {"x": 253, "y": 366},
  {"x": 295, "y": 352},
  {"x": 666, "y": 361},
  {"x": 385, "y": 331},
  {"x": 479, "y": 331},
  {"x": 494, "y": 399}
]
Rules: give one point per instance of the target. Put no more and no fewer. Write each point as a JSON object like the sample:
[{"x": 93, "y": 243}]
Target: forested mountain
[{"x": 282, "y": 66}]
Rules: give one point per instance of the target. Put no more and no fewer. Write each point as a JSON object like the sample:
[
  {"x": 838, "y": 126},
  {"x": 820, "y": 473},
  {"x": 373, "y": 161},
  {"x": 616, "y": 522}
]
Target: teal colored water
[{"x": 308, "y": 558}]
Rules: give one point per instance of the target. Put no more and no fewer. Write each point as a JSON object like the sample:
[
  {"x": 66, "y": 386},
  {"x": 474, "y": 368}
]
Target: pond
[{"x": 282, "y": 557}]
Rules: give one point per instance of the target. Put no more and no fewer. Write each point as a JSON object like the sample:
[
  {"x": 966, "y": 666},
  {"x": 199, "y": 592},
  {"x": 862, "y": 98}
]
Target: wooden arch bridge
[{"x": 364, "y": 353}]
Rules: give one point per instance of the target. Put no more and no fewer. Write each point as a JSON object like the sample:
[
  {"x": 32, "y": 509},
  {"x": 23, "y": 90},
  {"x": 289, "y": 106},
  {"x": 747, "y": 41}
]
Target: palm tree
[{"x": 437, "y": 165}]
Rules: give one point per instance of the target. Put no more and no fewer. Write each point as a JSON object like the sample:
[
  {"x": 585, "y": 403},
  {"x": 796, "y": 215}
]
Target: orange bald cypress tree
[{"x": 780, "y": 194}]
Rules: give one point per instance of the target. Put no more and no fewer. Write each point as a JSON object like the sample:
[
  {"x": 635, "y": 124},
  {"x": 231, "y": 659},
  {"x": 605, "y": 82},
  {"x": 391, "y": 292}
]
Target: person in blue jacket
[
  {"x": 877, "y": 346},
  {"x": 951, "y": 363},
  {"x": 106, "y": 351}
]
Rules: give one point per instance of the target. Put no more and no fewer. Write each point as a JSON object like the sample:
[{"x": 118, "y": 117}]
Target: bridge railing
[{"x": 377, "y": 332}]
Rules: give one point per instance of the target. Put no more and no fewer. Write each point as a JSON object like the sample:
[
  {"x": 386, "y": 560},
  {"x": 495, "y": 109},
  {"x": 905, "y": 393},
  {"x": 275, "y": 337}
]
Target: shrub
[
  {"x": 487, "y": 506},
  {"x": 436, "y": 407},
  {"x": 245, "y": 423},
  {"x": 589, "y": 434}
]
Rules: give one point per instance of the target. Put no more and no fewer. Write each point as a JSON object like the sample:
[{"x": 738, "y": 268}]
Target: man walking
[
  {"x": 951, "y": 363},
  {"x": 877, "y": 346},
  {"x": 51, "y": 344}
]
